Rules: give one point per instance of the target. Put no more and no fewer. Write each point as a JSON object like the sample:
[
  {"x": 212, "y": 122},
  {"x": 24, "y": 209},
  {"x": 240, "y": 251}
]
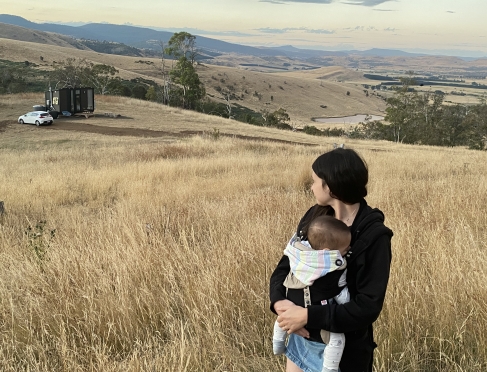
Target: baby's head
[{"x": 326, "y": 232}]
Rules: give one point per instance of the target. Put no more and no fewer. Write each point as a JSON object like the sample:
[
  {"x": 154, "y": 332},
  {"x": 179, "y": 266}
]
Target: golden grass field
[
  {"x": 132, "y": 253},
  {"x": 138, "y": 115}
]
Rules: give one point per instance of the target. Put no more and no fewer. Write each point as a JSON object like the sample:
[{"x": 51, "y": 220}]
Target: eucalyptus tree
[
  {"x": 188, "y": 88},
  {"x": 182, "y": 44}
]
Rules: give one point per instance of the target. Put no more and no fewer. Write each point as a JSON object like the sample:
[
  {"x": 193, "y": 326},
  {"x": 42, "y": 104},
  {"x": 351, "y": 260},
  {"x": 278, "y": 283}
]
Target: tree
[
  {"x": 151, "y": 94},
  {"x": 453, "y": 128},
  {"x": 409, "y": 79},
  {"x": 74, "y": 72},
  {"x": 70, "y": 73},
  {"x": 429, "y": 115},
  {"x": 401, "y": 112},
  {"x": 12, "y": 80},
  {"x": 189, "y": 89},
  {"x": 476, "y": 122},
  {"x": 100, "y": 77},
  {"x": 227, "y": 97},
  {"x": 278, "y": 119},
  {"x": 398, "y": 114},
  {"x": 117, "y": 88},
  {"x": 182, "y": 44},
  {"x": 139, "y": 91},
  {"x": 166, "y": 88}
]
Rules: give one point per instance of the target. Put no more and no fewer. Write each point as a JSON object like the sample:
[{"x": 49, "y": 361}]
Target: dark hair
[
  {"x": 345, "y": 173},
  {"x": 328, "y": 232}
]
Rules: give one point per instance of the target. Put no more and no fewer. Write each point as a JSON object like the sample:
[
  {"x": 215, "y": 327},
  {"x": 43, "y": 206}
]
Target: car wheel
[
  {"x": 37, "y": 123},
  {"x": 21, "y": 121}
]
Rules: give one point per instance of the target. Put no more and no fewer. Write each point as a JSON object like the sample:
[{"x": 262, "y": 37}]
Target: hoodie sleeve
[
  {"x": 277, "y": 291},
  {"x": 371, "y": 275}
]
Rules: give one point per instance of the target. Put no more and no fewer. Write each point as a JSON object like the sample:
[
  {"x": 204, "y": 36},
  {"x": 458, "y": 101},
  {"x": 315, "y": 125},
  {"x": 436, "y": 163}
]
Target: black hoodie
[{"x": 368, "y": 264}]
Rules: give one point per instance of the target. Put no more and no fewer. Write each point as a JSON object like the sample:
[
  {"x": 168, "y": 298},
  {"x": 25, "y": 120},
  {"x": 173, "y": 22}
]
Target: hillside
[
  {"x": 136, "y": 118},
  {"x": 120, "y": 250},
  {"x": 34, "y": 36},
  {"x": 301, "y": 94}
]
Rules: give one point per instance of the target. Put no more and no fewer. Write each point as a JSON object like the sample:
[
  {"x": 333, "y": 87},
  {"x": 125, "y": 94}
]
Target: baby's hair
[{"x": 328, "y": 232}]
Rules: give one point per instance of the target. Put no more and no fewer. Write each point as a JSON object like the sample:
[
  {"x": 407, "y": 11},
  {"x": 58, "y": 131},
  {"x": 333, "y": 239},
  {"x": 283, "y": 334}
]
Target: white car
[{"x": 36, "y": 117}]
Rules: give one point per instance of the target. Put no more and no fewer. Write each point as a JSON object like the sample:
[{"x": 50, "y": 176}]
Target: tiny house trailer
[{"x": 72, "y": 100}]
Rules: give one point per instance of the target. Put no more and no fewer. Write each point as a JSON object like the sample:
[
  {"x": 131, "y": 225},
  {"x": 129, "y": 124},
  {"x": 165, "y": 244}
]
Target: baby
[{"x": 328, "y": 242}]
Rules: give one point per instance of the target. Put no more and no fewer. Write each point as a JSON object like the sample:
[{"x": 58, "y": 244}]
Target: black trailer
[{"x": 72, "y": 100}]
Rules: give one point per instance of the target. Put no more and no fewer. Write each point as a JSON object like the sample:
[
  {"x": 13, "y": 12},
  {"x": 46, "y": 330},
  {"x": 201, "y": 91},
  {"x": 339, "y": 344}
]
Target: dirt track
[{"x": 134, "y": 132}]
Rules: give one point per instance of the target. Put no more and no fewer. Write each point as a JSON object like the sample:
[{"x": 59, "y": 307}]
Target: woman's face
[{"x": 322, "y": 194}]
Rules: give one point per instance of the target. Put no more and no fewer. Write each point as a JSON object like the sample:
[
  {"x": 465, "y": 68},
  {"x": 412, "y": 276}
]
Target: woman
[{"x": 339, "y": 185}]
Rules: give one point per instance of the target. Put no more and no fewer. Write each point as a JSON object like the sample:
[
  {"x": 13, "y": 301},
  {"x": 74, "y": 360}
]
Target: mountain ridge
[{"x": 148, "y": 38}]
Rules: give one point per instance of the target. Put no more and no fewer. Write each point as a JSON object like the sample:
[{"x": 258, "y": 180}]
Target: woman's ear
[{"x": 332, "y": 195}]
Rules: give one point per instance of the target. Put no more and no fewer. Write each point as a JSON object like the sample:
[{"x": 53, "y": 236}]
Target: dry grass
[
  {"x": 300, "y": 94},
  {"x": 156, "y": 256},
  {"x": 138, "y": 114},
  {"x": 20, "y": 51}
]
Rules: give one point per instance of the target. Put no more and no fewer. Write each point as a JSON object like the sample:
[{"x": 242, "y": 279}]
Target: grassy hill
[
  {"x": 139, "y": 118},
  {"x": 302, "y": 93},
  {"x": 132, "y": 244},
  {"x": 34, "y": 36}
]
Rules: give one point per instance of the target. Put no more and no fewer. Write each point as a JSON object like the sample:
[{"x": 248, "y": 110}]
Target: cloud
[
  {"x": 368, "y": 29},
  {"x": 450, "y": 11},
  {"x": 385, "y": 10},
  {"x": 297, "y": 1},
  {"x": 366, "y": 2},
  {"x": 369, "y": 3},
  {"x": 268, "y": 30},
  {"x": 320, "y": 31}
]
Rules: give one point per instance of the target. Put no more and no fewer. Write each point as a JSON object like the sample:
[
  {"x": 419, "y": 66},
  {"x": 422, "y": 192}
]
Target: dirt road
[{"x": 81, "y": 126}]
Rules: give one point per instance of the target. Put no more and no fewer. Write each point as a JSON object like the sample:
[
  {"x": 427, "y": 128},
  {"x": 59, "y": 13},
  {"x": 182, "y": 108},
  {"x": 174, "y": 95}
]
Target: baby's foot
[{"x": 278, "y": 347}]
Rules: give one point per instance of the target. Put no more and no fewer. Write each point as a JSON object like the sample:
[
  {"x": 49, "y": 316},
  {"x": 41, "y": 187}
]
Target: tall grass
[{"x": 136, "y": 255}]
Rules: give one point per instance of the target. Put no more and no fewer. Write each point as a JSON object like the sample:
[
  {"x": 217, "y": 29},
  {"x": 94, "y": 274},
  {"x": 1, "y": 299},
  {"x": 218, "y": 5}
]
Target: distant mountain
[
  {"x": 294, "y": 52},
  {"x": 388, "y": 53},
  {"x": 139, "y": 37},
  {"x": 47, "y": 27},
  {"x": 147, "y": 38}
]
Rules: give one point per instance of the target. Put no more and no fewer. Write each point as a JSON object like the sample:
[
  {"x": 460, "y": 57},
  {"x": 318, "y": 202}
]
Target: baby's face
[{"x": 344, "y": 250}]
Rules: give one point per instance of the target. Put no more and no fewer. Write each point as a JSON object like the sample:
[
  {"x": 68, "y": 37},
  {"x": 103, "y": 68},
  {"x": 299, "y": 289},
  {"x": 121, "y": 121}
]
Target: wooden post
[{"x": 2, "y": 208}]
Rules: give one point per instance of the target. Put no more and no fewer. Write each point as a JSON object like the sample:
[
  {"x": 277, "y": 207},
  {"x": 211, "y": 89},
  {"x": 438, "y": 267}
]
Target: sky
[{"x": 455, "y": 27}]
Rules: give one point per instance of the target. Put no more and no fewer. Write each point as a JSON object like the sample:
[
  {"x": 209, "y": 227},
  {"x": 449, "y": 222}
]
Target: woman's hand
[
  {"x": 293, "y": 319},
  {"x": 282, "y": 305}
]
